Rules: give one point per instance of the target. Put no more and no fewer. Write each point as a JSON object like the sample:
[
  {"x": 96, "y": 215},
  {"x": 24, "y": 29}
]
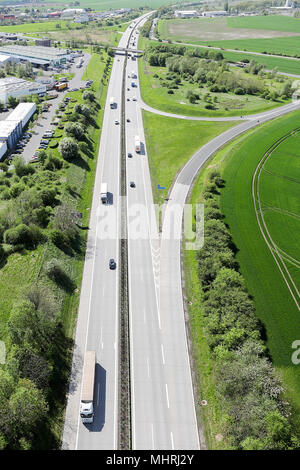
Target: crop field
[
  {"x": 269, "y": 22},
  {"x": 288, "y": 46},
  {"x": 40, "y": 27},
  {"x": 278, "y": 194},
  {"x": 215, "y": 29}
]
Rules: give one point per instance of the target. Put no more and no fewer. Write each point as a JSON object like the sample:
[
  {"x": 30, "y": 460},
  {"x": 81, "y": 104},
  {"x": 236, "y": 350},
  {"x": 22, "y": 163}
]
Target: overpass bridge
[{"x": 127, "y": 49}]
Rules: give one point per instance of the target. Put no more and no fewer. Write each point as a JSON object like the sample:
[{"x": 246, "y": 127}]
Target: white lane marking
[
  {"x": 152, "y": 435},
  {"x": 148, "y": 367},
  {"x": 168, "y": 403},
  {"x": 162, "y": 353},
  {"x": 144, "y": 315},
  {"x": 172, "y": 441}
]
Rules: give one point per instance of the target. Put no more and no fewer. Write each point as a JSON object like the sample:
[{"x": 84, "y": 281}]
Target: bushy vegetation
[
  {"x": 249, "y": 390},
  {"x": 203, "y": 66}
]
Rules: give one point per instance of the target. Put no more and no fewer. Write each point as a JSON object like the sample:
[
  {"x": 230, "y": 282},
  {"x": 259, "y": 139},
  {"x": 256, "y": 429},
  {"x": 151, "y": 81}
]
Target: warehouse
[
  {"x": 23, "y": 113},
  {"x": 10, "y": 132},
  {"x": 37, "y": 55},
  {"x": 16, "y": 87}
]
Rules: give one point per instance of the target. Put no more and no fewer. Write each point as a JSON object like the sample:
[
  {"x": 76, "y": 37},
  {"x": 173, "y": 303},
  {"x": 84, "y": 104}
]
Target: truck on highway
[
  {"x": 112, "y": 102},
  {"x": 103, "y": 194},
  {"x": 137, "y": 143},
  {"x": 133, "y": 73},
  {"x": 87, "y": 391},
  {"x": 61, "y": 86}
]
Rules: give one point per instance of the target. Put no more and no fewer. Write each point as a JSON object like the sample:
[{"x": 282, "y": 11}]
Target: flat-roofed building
[
  {"x": 37, "y": 55},
  {"x": 214, "y": 13},
  {"x": 22, "y": 113},
  {"x": 186, "y": 13},
  {"x": 10, "y": 132},
  {"x": 16, "y": 87},
  {"x": 3, "y": 149}
]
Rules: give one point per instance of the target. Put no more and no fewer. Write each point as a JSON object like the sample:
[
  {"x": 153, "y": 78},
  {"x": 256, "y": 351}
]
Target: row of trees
[{"x": 248, "y": 388}]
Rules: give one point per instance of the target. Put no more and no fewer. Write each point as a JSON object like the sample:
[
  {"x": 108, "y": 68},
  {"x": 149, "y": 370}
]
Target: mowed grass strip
[{"x": 171, "y": 142}]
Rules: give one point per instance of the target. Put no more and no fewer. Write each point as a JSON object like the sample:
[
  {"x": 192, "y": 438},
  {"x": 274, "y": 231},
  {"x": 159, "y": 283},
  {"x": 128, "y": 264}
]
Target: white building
[
  {"x": 10, "y": 132},
  {"x": 22, "y": 113},
  {"x": 83, "y": 18},
  {"x": 5, "y": 58},
  {"x": 16, "y": 87},
  {"x": 37, "y": 55},
  {"x": 186, "y": 13},
  {"x": 212, "y": 14},
  {"x": 71, "y": 12}
]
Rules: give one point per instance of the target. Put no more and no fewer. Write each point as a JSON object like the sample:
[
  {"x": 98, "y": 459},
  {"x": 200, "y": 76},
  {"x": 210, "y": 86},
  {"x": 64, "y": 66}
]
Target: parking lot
[{"x": 43, "y": 122}]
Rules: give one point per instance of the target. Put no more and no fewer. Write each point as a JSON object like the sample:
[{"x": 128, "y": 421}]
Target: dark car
[
  {"x": 132, "y": 184},
  {"x": 128, "y": 120},
  {"x": 128, "y": 99},
  {"x": 112, "y": 264},
  {"x": 129, "y": 155}
]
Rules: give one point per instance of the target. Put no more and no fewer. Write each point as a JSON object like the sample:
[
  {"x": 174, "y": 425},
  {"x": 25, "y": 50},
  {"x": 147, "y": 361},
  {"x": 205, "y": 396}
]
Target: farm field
[
  {"x": 228, "y": 104},
  {"x": 215, "y": 29},
  {"x": 289, "y": 46},
  {"x": 40, "y": 27},
  {"x": 274, "y": 303},
  {"x": 269, "y": 22},
  {"x": 169, "y": 150}
]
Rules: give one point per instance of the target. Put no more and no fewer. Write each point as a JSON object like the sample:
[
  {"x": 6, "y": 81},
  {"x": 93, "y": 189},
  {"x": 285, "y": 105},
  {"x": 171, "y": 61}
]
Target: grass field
[
  {"x": 288, "y": 46},
  {"x": 274, "y": 304},
  {"x": 214, "y": 29},
  {"x": 171, "y": 142},
  {"x": 40, "y": 27},
  {"x": 100, "y": 5},
  {"x": 269, "y": 22}
]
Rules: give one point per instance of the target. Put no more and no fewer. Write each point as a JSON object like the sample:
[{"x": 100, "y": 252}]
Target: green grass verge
[{"x": 171, "y": 142}]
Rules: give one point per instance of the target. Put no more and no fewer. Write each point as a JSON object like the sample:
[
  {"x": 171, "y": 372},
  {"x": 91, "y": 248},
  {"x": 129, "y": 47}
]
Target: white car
[
  {"x": 134, "y": 99},
  {"x": 116, "y": 121}
]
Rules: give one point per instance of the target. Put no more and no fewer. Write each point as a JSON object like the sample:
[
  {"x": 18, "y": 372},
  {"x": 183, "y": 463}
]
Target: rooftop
[
  {"x": 36, "y": 52},
  {"x": 7, "y": 127},
  {"x": 21, "y": 111},
  {"x": 14, "y": 84}
]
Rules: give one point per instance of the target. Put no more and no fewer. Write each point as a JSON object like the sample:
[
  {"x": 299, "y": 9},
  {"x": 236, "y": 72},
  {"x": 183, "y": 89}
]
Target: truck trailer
[
  {"x": 87, "y": 391},
  {"x": 103, "y": 195},
  {"x": 61, "y": 86},
  {"x": 137, "y": 143}
]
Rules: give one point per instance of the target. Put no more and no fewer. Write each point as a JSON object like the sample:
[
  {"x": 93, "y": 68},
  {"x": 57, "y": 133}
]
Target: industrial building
[
  {"x": 71, "y": 12},
  {"x": 186, "y": 14},
  {"x": 16, "y": 87},
  {"x": 23, "y": 113},
  {"x": 11, "y": 129},
  {"x": 37, "y": 55},
  {"x": 43, "y": 42},
  {"x": 5, "y": 58},
  {"x": 212, "y": 14},
  {"x": 10, "y": 132}
]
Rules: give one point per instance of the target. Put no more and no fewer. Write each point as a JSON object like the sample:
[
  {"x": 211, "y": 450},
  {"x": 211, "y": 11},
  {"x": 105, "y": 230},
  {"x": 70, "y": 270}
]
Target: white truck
[
  {"x": 103, "y": 196},
  {"x": 112, "y": 103},
  {"x": 137, "y": 143},
  {"x": 87, "y": 391}
]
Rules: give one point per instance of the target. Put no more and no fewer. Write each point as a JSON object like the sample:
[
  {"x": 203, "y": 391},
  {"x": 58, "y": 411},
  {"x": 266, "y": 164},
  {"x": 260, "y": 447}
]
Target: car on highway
[
  {"x": 134, "y": 99},
  {"x": 112, "y": 264},
  {"x": 128, "y": 89},
  {"x": 128, "y": 99},
  {"x": 132, "y": 184},
  {"x": 116, "y": 121},
  {"x": 128, "y": 120},
  {"x": 129, "y": 155}
]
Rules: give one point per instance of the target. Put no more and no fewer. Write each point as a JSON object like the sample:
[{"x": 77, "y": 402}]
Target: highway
[
  {"x": 98, "y": 315},
  {"x": 162, "y": 400},
  {"x": 163, "y": 411}
]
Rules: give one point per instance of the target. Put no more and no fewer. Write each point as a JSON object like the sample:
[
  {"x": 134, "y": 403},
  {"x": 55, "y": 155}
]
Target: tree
[
  {"x": 89, "y": 96},
  {"x": 28, "y": 406},
  {"x": 75, "y": 130},
  {"x": 68, "y": 148},
  {"x": 65, "y": 220},
  {"x": 12, "y": 101}
]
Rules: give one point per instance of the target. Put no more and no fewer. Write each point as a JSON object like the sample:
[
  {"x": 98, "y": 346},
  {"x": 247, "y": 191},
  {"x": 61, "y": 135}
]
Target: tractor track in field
[{"x": 279, "y": 255}]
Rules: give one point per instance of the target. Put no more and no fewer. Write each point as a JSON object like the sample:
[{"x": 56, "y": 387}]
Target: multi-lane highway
[{"x": 162, "y": 401}]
